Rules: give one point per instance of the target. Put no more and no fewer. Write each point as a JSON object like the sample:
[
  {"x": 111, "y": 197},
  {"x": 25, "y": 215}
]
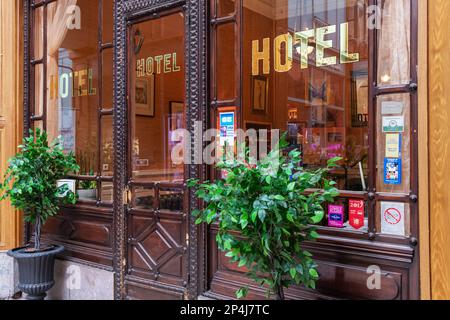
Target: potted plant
[
  {"x": 264, "y": 213},
  {"x": 31, "y": 184}
]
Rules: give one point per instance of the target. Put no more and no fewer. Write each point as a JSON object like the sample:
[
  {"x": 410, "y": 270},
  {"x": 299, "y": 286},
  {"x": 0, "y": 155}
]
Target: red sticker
[{"x": 356, "y": 213}]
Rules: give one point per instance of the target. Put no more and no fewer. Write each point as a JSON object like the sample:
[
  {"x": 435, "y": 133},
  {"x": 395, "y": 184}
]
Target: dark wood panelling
[
  {"x": 343, "y": 268},
  {"x": 137, "y": 290},
  {"x": 86, "y": 233},
  {"x": 156, "y": 247}
]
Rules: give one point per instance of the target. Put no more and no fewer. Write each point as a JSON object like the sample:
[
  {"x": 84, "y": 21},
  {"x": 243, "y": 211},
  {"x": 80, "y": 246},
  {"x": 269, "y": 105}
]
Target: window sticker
[
  {"x": 392, "y": 108},
  {"x": 393, "y": 171},
  {"x": 393, "y": 218},
  {"x": 335, "y": 216},
  {"x": 356, "y": 213},
  {"x": 394, "y": 124},
  {"x": 227, "y": 124},
  {"x": 393, "y": 145}
]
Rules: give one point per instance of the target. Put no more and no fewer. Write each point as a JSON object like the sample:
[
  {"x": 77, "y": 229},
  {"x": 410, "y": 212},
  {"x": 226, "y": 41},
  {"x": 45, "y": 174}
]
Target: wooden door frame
[
  {"x": 11, "y": 91},
  {"x": 196, "y": 99}
]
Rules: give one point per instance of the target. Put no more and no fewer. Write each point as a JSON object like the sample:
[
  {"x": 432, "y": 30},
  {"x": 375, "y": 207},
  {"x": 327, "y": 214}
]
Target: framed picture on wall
[
  {"x": 260, "y": 94},
  {"x": 176, "y": 112},
  {"x": 145, "y": 96}
]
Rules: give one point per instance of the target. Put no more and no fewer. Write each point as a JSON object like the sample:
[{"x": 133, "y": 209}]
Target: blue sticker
[{"x": 392, "y": 171}]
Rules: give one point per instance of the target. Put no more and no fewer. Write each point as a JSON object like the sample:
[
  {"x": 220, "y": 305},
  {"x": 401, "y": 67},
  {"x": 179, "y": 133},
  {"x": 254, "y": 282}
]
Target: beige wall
[{"x": 10, "y": 108}]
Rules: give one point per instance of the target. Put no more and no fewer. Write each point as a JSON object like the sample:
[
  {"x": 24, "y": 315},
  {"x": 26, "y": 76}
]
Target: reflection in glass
[
  {"x": 72, "y": 80},
  {"x": 225, "y": 66},
  {"x": 313, "y": 57},
  {"x": 157, "y": 95},
  {"x": 87, "y": 190},
  {"x": 171, "y": 200},
  {"x": 394, "y": 43},
  {"x": 107, "y": 150},
  {"x": 144, "y": 198},
  {"x": 107, "y": 79},
  {"x": 39, "y": 90}
]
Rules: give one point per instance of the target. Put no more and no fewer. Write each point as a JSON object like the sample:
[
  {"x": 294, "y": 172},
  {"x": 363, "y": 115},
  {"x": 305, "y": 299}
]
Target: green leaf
[
  {"x": 314, "y": 235},
  {"x": 291, "y": 186},
  {"x": 254, "y": 216},
  {"x": 313, "y": 273},
  {"x": 262, "y": 215},
  {"x": 306, "y": 253},
  {"x": 241, "y": 293},
  {"x": 290, "y": 217},
  {"x": 318, "y": 216},
  {"x": 293, "y": 272},
  {"x": 229, "y": 254}
]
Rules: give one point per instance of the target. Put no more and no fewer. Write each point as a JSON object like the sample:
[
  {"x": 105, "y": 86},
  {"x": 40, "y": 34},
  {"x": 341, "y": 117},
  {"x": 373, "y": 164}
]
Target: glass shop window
[
  {"x": 304, "y": 70},
  {"x": 74, "y": 100},
  {"x": 309, "y": 78}
]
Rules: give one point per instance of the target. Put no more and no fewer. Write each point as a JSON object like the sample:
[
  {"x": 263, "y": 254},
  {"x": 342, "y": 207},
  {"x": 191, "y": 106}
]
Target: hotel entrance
[{"x": 156, "y": 204}]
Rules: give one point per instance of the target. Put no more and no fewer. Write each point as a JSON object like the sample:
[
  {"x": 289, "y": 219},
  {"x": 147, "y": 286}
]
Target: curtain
[
  {"x": 394, "y": 42},
  {"x": 57, "y": 17}
]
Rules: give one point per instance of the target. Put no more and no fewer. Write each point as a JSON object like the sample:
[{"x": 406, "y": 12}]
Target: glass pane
[
  {"x": 37, "y": 125},
  {"x": 394, "y": 141},
  {"x": 38, "y": 30},
  {"x": 394, "y": 43},
  {"x": 87, "y": 190},
  {"x": 393, "y": 218},
  {"x": 171, "y": 200},
  {"x": 157, "y": 92},
  {"x": 38, "y": 89},
  {"x": 225, "y": 65},
  {"x": 144, "y": 198},
  {"x": 107, "y": 79},
  {"x": 348, "y": 214},
  {"x": 107, "y": 150},
  {"x": 72, "y": 83},
  {"x": 107, "y": 192},
  {"x": 305, "y": 72},
  {"x": 108, "y": 17},
  {"x": 225, "y": 7}
]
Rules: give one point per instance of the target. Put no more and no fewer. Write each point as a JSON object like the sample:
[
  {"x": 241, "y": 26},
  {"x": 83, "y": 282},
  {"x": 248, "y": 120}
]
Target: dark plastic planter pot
[{"x": 36, "y": 271}]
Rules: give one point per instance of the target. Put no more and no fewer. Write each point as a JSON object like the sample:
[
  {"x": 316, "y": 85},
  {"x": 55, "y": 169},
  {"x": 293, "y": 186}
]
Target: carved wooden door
[{"x": 156, "y": 199}]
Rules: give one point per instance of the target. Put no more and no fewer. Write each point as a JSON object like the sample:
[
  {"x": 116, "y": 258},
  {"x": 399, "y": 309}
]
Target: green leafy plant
[
  {"x": 264, "y": 213},
  {"x": 86, "y": 184},
  {"x": 31, "y": 179}
]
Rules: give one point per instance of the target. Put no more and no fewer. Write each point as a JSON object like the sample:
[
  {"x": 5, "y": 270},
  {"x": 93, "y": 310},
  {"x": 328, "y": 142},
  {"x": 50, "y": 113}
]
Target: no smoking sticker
[{"x": 393, "y": 218}]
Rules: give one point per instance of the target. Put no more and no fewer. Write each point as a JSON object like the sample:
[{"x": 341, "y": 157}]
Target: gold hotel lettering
[
  {"x": 301, "y": 38},
  {"x": 165, "y": 63},
  {"x": 82, "y": 80}
]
